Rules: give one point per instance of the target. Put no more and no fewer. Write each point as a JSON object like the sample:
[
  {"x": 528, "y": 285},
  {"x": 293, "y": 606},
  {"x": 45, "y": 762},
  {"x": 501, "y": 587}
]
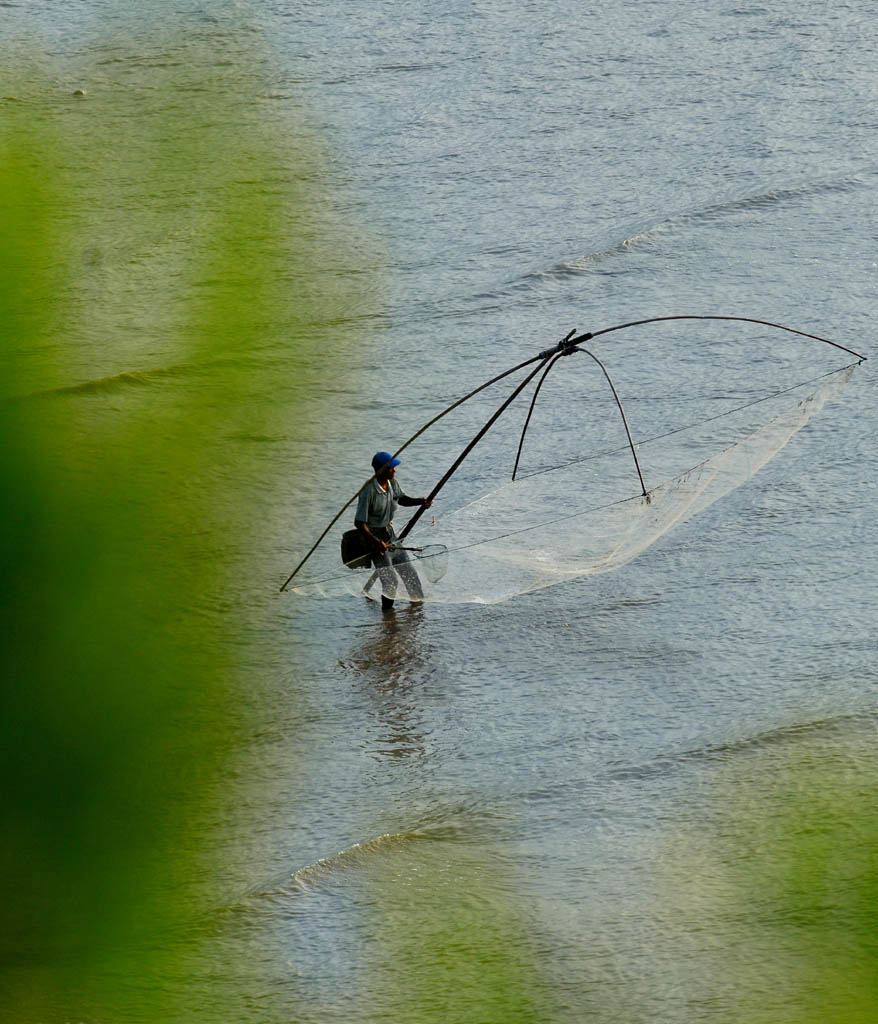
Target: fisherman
[{"x": 375, "y": 509}]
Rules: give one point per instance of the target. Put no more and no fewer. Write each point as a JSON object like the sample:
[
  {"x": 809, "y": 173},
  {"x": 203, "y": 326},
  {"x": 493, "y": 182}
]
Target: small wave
[
  {"x": 784, "y": 735},
  {"x": 307, "y": 876},
  {"x": 595, "y": 262},
  {"x": 259, "y": 438},
  {"x": 351, "y": 76},
  {"x": 115, "y": 382},
  {"x": 789, "y": 734},
  {"x": 771, "y": 197},
  {"x": 456, "y": 823},
  {"x": 130, "y": 379},
  {"x": 416, "y": 66}
]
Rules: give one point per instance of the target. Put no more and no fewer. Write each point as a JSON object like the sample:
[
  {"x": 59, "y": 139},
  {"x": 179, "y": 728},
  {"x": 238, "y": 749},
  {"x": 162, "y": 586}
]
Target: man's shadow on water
[{"x": 391, "y": 661}]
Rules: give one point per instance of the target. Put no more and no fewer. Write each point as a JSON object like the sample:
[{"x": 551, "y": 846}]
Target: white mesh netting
[{"x": 587, "y": 517}]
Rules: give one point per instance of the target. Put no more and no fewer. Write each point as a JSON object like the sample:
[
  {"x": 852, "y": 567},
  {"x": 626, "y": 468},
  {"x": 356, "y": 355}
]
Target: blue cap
[{"x": 383, "y": 460}]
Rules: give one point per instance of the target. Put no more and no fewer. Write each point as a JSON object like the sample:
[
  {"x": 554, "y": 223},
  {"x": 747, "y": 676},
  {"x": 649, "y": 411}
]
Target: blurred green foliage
[
  {"x": 163, "y": 274},
  {"x": 805, "y": 879},
  {"x": 457, "y": 942},
  {"x": 120, "y": 706},
  {"x": 767, "y": 910}
]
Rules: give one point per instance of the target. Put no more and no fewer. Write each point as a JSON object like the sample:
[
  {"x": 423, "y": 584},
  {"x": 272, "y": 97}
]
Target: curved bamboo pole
[
  {"x": 579, "y": 348},
  {"x": 712, "y": 316},
  {"x": 533, "y": 402},
  {"x": 569, "y": 350},
  {"x": 402, "y": 448},
  {"x": 408, "y": 526}
]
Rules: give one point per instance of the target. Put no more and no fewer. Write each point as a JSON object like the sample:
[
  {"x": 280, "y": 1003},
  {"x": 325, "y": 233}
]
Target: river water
[{"x": 585, "y": 759}]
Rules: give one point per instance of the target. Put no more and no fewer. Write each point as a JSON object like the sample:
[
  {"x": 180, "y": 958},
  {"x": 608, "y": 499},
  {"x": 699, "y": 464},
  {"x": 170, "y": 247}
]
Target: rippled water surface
[{"x": 582, "y": 759}]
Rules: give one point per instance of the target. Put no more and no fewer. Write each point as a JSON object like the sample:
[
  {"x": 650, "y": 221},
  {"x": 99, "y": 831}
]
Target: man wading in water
[{"x": 375, "y": 509}]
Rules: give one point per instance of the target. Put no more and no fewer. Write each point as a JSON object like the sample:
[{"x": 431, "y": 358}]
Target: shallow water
[{"x": 497, "y": 175}]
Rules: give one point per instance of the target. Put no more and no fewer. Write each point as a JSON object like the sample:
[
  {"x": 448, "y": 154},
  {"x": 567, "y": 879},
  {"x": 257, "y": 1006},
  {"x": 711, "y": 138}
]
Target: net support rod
[
  {"x": 402, "y": 448},
  {"x": 568, "y": 347},
  {"x": 543, "y": 360},
  {"x": 533, "y": 402},
  {"x": 710, "y": 316},
  {"x": 579, "y": 348}
]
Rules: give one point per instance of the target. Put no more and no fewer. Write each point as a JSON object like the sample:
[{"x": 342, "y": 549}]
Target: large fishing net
[{"x": 587, "y": 516}]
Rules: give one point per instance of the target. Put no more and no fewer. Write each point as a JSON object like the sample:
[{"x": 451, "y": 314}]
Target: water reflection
[{"x": 393, "y": 667}]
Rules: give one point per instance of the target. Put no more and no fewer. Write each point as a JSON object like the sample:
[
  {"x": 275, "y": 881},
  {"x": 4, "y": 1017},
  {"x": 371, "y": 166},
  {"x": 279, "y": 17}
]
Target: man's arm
[{"x": 379, "y": 544}]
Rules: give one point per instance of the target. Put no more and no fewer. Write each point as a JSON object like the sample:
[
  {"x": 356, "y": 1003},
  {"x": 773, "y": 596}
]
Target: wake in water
[
  {"x": 645, "y": 235},
  {"x": 525, "y": 536}
]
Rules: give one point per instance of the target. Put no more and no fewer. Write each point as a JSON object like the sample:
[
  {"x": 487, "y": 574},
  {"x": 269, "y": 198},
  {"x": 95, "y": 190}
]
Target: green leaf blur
[
  {"x": 120, "y": 525},
  {"x": 132, "y": 512}
]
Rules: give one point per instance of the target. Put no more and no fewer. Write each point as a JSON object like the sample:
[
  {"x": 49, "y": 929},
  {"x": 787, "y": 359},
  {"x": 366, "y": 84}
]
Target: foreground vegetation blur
[
  {"x": 133, "y": 265},
  {"x": 152, "y": 256}
]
